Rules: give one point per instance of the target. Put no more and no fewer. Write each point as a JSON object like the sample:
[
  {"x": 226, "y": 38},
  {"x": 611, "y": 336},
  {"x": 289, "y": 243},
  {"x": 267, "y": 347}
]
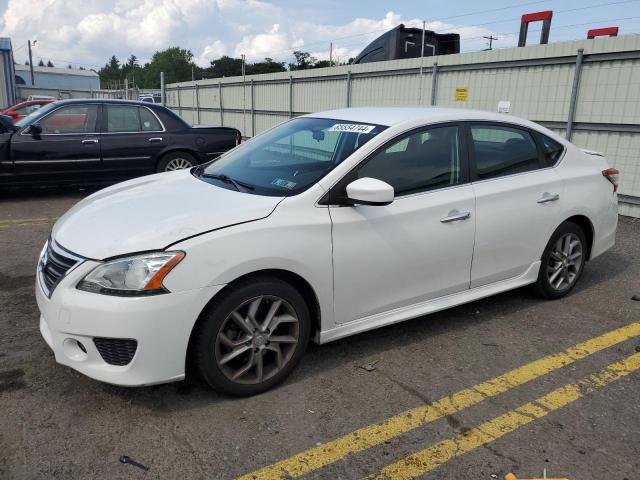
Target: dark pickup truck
[{"x": 103, "y": 141}]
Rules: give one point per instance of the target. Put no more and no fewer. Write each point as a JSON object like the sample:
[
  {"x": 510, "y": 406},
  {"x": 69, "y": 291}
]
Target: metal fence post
[
  {"x": 434, "y": 82},
  {"x": 198, "y": 101},
  {"x": 221, "y": 107},
  {"x": 574, "y": 93},
  {"x": 253, "y": 112},
  {"x": 163, "y": 90},
  {"x": 290, "y": 96},
  {"x": 348, "y": 88},
  {"x": 179, "y": 105}
]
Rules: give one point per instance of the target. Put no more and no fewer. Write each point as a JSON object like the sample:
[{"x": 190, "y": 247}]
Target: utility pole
[
  {"x": 331, "y": 54},
  {"x": 31, "y": 60},
  {"x": 420, "y": 77},
  {"x": 491, "y": 38}
]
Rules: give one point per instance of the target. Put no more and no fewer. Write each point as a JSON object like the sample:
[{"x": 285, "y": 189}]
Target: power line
[
  {"x": 587, "y": 7},
  {"x": 494, "y": 22},
  {"x": 518, "y": 5},
  {"x": 557, "y": 27}
]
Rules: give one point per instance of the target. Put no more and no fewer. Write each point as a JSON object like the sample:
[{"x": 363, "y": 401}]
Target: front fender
[{"x": 286, "y": 240}]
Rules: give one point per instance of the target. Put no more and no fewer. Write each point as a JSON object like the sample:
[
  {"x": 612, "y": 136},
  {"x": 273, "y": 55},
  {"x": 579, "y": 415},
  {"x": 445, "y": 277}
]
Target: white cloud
[
  {"x": 210, "y": 52},
  {"x": 270, "y": 44},
  {"x": 88, "y": 32}
]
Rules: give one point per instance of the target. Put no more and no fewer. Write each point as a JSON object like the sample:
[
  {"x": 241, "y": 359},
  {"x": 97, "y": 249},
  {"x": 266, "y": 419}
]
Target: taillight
[{"x": 611, "y": 174}]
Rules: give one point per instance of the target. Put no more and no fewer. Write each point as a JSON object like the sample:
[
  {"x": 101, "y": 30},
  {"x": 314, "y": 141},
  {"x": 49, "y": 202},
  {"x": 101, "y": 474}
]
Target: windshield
[
  {"x": 289, "y": 158},
  {"x": 35, "y": 115}
]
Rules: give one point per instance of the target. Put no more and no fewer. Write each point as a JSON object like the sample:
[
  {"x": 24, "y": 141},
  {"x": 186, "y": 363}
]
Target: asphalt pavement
[{"x": 508, "y": 384}]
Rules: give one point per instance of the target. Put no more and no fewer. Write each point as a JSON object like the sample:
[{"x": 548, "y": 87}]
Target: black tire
[
  {"x": 550, "y": 263},
  {"x": 166, "y": 161},
  {"x": 218, "y": 317}
]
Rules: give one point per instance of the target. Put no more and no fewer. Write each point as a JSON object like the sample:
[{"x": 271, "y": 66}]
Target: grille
[
  {"x": 116, "y": 351},
  {"x": 54, "y": 264}
]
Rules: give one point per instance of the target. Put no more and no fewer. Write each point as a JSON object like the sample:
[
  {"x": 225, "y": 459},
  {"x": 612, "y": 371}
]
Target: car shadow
[{"x": 194, "y": 392}]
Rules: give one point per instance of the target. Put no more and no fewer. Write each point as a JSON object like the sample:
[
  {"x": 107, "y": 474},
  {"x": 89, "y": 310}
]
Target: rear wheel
[
  {"x": 252, "y": 337},
  {"x": 176, "y": 161},
  {"x": 562, "y": 261}
]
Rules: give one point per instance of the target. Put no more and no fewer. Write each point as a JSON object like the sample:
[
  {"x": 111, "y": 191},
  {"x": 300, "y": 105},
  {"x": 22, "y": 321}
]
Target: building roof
[
  {"x": 57, "y": 70},
  {"x": 5, "y": 43}
]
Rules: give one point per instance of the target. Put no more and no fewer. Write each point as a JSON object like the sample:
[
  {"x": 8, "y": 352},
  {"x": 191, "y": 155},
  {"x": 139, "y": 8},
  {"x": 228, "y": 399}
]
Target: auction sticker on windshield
[
  {"x": 284, "y": 183},
  {"x": 351, "y": 127}
]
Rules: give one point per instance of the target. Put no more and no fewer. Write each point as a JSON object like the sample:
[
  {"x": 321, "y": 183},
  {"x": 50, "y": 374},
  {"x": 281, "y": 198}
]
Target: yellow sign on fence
[{"x": 462, "y": 94}]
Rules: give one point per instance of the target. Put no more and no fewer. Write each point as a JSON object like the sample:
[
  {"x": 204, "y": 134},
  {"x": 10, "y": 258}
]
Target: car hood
[{"x": 153, "y": 212}]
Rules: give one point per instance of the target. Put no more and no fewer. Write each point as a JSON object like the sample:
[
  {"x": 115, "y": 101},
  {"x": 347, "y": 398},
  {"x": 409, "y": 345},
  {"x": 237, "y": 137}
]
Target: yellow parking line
[
  {"x": 372, "y": 435},
  {"x": 432, "y": 457}
]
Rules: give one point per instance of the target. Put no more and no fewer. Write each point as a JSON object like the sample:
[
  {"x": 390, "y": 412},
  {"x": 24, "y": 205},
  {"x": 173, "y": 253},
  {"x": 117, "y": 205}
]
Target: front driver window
[
  {"x": 71, "y": 119},
  {"x": 422, "y": 161}
]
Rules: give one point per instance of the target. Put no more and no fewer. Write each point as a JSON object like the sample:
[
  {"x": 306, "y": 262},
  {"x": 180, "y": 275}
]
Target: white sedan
[{"x": 327, "y": 225}]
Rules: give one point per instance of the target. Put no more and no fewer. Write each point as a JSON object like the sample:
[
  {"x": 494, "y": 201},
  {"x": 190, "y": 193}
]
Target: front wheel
[
  {"x": 562, "y": 261},
  {"x": 252, "y": 337}
]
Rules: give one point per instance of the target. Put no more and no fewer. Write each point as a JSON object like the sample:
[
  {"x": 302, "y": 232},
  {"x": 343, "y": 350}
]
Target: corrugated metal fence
[
  {"x": 588, "y": 90},
  {"x": 25, "y": 91}
]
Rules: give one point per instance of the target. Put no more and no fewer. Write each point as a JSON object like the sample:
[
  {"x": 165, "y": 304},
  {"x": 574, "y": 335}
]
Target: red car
[{"x": 22, "y": 109}]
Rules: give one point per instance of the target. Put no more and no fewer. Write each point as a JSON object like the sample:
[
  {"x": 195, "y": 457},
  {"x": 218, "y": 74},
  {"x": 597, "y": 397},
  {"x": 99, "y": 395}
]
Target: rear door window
[
  {"x": 501, "y": 150},
  {"x": 122, "y": 118}
]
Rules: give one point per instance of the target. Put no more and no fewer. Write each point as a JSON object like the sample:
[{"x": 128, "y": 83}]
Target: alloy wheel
[
  {"x": 257, "y": 339},
  {"x": 178, "y": 164},
  {"x": 565, "y": 262}
]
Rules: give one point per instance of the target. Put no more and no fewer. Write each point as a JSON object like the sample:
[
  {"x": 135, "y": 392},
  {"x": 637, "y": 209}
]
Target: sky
[{"x": 87, "y": 32}]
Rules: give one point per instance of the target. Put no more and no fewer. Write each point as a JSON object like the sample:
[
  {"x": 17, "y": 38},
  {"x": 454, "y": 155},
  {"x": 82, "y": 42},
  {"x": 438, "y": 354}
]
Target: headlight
[{"x": 132, "y": 276}]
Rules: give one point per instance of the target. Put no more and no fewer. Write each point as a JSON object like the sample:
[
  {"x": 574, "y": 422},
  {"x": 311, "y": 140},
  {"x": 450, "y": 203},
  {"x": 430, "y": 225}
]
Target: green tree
[
  {"x": 131, "y": 71},
  {"x": 224, "y": 66},
  {"x": 175, "y": 62},
  {"x": 110, "y": 74},
  {"x": 268, "y": 66},
  {"x": 41, "y": 63},
  {"x": 321, "y": 64},
  {"x": 303, "y": 60},
  {"x": 49, "y": 64}
]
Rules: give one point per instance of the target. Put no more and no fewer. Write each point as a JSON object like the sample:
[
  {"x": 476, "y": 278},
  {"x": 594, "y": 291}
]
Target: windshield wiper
[{"x": 227, "y": 179}]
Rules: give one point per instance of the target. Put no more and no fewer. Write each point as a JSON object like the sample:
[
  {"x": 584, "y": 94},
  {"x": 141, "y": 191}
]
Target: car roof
[
  {"x": 37, "y": 100},
  {"x": 391, "y": 116},
  {"x": 77, "y": 101}
]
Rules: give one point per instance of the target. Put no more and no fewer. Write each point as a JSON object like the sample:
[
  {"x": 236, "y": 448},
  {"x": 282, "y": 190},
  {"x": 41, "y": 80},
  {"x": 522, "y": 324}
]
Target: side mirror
[
  {"x": 370, "y": 191},
  {"x": 35, "y": 130}
]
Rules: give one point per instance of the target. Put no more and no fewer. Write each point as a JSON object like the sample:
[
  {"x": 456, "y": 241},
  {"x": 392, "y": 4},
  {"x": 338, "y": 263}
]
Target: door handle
[
  {"x": 90, "y": 141},
  {"x": 454, "y": 216},
  {"x": 548, "y": 197},
  {"x": 155, "y": 139}
]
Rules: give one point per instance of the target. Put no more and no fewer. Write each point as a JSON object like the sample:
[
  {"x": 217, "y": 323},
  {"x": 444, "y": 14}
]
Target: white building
[{"x": 58, "y": 78}]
